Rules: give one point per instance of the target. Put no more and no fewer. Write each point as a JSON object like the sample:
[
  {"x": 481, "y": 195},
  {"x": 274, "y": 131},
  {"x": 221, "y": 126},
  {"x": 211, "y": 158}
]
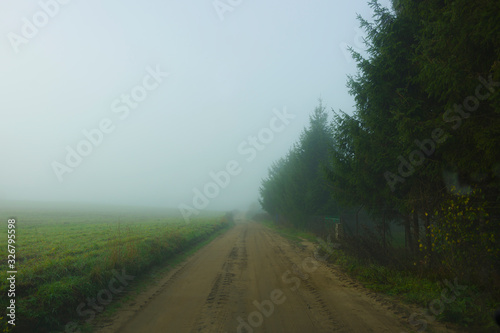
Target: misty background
[{"x": 226, "y": 76}]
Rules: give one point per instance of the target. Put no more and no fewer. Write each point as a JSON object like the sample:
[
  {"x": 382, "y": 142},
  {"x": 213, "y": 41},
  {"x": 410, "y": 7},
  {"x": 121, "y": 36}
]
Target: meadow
[{"x": 68, "y": 256}]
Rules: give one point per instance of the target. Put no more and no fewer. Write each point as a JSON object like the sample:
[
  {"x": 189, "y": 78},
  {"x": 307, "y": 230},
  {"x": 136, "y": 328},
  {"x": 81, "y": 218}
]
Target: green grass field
[{"x": 65, "y": 255}]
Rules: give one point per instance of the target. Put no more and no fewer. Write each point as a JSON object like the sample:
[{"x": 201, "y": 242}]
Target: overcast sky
[{"x": 168, "y": 91}]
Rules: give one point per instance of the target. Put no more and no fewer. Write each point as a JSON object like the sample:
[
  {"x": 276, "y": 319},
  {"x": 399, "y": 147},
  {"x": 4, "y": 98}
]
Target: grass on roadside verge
[
  {"x": 64, "y": 264},
  {"x": 468, "y": 307},
  {"x": 153, "y": 276}
]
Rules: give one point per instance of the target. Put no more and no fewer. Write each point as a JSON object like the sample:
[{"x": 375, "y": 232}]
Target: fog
[{"x": 148, "y": 102}]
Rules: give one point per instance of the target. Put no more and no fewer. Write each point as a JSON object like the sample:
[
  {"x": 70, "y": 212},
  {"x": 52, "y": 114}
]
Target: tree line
[{"x": 421, "y": 149}]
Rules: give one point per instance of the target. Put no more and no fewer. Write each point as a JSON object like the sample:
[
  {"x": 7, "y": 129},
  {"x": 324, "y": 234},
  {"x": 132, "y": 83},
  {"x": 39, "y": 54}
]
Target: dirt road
[{"x": 252, "y": 280}]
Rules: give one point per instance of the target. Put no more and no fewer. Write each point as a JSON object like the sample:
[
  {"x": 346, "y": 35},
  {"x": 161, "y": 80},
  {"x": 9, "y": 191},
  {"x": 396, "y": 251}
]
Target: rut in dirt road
[{"x": 250, "y": 279}]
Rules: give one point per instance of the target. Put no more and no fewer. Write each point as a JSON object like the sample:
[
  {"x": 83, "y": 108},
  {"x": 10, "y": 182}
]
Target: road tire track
[{"x": 251, "y": 279}]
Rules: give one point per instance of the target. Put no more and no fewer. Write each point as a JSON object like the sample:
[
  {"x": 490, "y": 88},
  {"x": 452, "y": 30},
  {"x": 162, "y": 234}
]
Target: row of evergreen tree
[{"x": 422, "y": 147}]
